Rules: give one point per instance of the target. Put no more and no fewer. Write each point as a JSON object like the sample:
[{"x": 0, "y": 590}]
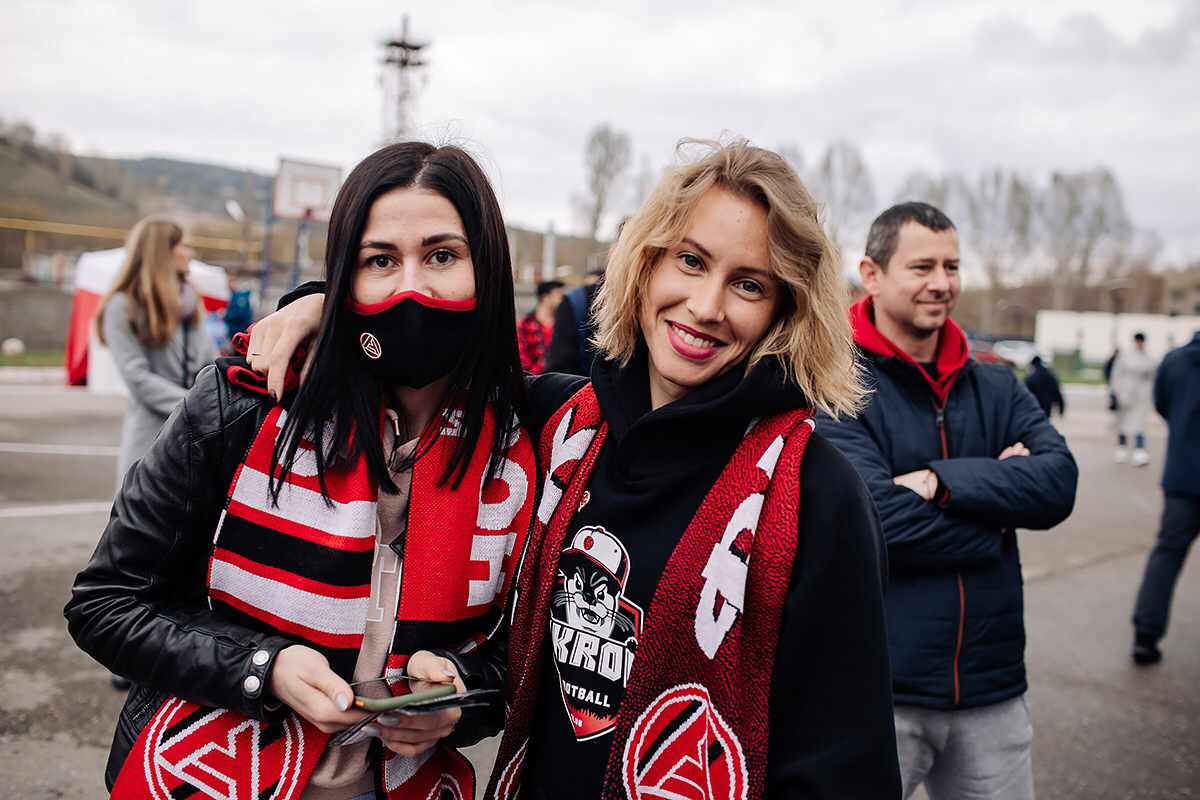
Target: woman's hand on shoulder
[
  {"x": 302, "y": 680},
  {"x": 275, "y": 338},
  {"x": 412, "y": 735}
]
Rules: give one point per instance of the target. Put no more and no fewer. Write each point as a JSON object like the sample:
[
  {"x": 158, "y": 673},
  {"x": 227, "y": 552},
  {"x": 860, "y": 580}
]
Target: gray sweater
[{"x": 155, "y": 376}]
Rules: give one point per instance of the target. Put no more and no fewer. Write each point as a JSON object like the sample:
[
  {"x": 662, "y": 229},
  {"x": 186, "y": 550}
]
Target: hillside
[
  {"x": 40, "y": 183},
  {"x": 32, "y": 189},
  {"x": 196, "y": 187}
]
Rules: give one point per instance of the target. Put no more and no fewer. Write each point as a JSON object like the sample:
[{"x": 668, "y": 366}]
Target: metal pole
[
  {"x": 263, "y": 309},
  {"x": 302, "y": 233}
]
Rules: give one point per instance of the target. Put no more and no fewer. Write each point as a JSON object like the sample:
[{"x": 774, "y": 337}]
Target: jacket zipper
[{"x": 962, "y": 595}]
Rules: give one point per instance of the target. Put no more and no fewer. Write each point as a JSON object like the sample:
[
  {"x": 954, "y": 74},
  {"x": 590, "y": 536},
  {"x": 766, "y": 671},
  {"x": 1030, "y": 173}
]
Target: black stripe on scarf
[{"x": 279, "y": 550}]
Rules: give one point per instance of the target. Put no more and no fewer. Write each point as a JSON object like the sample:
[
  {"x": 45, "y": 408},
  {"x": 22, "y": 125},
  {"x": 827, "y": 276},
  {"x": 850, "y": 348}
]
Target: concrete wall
[{"x": 35, "y": 313}]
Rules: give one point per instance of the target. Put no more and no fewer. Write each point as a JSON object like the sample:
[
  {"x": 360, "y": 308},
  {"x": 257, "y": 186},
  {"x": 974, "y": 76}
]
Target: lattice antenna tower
[{"x": 401, "y": 58}]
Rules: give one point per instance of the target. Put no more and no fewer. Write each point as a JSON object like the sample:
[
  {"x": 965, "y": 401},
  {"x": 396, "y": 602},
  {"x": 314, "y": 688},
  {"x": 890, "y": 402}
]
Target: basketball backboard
[{"x": 305, "y": 190}]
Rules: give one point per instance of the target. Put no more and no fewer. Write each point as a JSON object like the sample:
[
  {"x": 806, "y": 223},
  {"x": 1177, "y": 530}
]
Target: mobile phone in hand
[{"x": 401, "y": 700}]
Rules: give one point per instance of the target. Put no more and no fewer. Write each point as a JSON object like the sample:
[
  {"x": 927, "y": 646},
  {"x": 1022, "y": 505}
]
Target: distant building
[
  {"x": 1093, "y": 335},
  {"x": 1181, "y": 291}
]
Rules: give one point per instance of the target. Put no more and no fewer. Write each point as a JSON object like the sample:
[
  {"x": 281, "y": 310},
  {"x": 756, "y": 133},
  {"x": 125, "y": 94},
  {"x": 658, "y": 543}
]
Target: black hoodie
[{"x": 831, "y": 729}]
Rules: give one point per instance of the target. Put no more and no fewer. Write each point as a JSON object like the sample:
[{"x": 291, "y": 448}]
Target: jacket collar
[{"x": 952, "y": 350}]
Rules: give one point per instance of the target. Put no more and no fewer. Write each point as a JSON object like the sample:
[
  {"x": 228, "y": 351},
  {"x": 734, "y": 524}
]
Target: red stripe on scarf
[{"x": 319, "y": 588}]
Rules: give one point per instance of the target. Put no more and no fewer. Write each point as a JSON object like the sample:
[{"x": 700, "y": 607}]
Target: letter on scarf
[
  {"x": 496, "y": 516},
  {"x": 563, "y": 450},
  {"x": 725, "y": 572}
]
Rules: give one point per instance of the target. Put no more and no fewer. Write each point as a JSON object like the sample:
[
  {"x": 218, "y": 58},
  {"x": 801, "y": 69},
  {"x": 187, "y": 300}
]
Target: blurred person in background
[
  {"x": 571, "y": 351},
  {"x": 535, "y": 330},
  {"x": 1043, "y": 383},
  {"x": 1132, "y": 385},
  {"x": 239, "y": 314},
  {"x": 152, "y": 321},
  {"x": 1177, "y": 399}
]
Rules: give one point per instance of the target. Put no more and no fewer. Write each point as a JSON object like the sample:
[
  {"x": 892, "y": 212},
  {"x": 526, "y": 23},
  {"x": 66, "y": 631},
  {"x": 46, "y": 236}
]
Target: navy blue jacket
[
  {"x": 1177, "y": 398},
  {"x": 954, "y": 604}
]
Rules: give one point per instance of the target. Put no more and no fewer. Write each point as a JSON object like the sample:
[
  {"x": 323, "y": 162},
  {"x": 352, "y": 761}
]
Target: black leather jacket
[{"x": 140, "y": 606}]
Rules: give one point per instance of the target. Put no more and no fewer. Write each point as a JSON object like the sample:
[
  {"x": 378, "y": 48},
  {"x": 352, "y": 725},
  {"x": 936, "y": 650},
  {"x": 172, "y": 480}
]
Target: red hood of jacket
[{"x": 952, "y": 350}]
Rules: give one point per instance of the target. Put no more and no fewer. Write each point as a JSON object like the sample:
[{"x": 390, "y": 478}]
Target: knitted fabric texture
[
  {"x": 695, "y": 712},
  {"x": 302, "y": 568}
]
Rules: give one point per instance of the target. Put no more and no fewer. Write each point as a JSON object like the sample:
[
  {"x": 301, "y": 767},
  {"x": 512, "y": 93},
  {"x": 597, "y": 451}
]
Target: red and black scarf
[
  {"x": 717, "y": 608},
  {"x": 303, "y": 568}
]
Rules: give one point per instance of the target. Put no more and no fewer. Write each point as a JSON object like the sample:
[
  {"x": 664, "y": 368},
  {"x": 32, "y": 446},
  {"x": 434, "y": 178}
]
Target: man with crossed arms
[{"x": 957, "y": 454}]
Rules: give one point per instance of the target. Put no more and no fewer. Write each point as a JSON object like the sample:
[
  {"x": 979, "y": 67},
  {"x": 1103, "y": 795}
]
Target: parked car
[
  {"x": 982, "y": 351},
  {"x": 1020, "y": 352}
]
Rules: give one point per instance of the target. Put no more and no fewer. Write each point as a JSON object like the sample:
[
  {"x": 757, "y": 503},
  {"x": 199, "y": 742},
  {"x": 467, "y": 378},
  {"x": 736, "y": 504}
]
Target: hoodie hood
[
  {"x": 711, "y": 418},
  {"x": 952, "y": 350}
]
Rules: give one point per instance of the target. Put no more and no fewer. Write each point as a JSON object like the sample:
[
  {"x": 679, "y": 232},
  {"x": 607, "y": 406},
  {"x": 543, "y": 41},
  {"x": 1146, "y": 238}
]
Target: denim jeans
[{"x": 1180, "y": 524}]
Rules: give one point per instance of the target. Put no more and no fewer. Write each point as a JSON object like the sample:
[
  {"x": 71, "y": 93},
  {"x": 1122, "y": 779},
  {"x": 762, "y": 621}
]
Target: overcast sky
[{"x": 936, "y": 85}]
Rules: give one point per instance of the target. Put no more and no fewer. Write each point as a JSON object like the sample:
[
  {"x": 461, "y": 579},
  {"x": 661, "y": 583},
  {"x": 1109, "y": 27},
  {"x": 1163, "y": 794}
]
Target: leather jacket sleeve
[
  {"x": 140, "y": 605},
  {"x": 485, "y": 668}
]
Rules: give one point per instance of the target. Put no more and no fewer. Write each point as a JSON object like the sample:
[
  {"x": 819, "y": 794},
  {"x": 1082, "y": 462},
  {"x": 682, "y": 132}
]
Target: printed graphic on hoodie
[{"x": 594, "y": 629}]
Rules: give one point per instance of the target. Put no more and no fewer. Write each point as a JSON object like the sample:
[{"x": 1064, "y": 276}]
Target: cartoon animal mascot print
[{"x": 594, "y": 629}]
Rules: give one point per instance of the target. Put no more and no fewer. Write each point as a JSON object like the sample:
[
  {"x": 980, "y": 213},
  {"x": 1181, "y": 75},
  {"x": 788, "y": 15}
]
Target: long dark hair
[{"x": 340, "y": 391}]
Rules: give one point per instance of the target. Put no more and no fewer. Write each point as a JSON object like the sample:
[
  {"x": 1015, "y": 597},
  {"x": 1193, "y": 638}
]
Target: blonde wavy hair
[
  {"x": 148, "y": 276},
  {"x": 811, "y": 335}
]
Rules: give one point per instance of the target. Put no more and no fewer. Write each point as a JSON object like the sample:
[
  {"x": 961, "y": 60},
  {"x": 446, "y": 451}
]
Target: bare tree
[
  {"x": 608, "y": 155},
  {"x": 643, "y": 183},
  {"x": 999, "y": 220},
  {"x": 1082, "y": 222},
  {"x": 842, "y": 184},
  {"x": 947, "y": 193}
]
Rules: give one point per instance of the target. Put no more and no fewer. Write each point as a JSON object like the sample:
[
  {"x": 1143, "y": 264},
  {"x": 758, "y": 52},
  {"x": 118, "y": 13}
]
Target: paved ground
[{"x": 1104, "y": 728}]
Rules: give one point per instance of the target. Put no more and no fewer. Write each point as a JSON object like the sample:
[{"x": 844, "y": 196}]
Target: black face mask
[{"x": 412, "y": 339}]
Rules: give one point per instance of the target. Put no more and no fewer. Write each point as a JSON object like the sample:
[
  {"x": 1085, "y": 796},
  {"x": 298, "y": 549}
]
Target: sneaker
[
  {"x": 1119, "y": 456},
  {"x": 1145, "y": 651},
  {"x": 1140, "y": 458}
]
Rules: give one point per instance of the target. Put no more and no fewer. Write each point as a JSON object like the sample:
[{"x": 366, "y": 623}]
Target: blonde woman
[{"x": 151, "y": 321}]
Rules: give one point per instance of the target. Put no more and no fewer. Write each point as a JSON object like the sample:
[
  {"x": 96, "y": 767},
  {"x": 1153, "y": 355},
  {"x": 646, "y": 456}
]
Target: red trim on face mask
[{"x": 423, "y": 299}]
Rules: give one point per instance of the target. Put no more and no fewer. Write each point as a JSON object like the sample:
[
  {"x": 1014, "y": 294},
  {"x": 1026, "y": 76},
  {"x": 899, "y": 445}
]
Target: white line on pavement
[
  {"x": 57, "y": 510},
  {"x": 59, "y": 449}
]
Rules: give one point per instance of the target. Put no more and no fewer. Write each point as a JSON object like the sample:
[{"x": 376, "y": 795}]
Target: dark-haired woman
[{"x": 264, "y": 564}]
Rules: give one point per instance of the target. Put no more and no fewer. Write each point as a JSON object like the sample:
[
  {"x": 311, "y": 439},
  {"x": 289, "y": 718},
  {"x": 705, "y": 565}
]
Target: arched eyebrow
[
  {"x": 697, "y": 246},
  {"x": 437, "y": 238},
  {"x": 762, "y": 273},
  {"x": 442, "y": 237}
]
